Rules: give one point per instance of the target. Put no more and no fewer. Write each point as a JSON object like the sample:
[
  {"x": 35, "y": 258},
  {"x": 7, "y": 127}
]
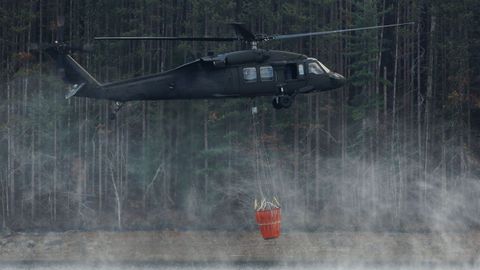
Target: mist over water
[{"x": 372, "y": 203}]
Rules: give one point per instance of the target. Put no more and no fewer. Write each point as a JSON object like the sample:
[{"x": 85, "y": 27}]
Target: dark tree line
[{"x": 396, "y": 149}]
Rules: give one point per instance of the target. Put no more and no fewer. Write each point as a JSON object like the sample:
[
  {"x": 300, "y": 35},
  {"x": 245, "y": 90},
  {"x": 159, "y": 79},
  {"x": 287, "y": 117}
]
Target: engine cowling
[{"x": 243, "y": 57}]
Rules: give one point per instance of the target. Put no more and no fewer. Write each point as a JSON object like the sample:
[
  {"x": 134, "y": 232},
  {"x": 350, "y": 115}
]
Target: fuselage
[{"x": 247, "y": 73}]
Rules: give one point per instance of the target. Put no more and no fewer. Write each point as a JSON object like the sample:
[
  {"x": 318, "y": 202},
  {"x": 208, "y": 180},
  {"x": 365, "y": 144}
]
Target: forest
[{"x": 395, "y": 149}]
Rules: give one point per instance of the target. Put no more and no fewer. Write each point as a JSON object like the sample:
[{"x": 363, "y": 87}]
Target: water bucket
[{"x": 268, "y": 221}]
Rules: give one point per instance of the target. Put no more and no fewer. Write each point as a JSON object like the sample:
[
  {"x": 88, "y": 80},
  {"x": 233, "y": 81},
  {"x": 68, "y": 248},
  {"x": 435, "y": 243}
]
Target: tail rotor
[
  {"x": 59, "y": 46},
  {"x": 70, "y": 71}
]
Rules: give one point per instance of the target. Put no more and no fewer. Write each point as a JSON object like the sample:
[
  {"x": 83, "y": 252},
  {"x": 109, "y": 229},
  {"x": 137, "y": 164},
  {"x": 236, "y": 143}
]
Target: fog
[{"x": 192, "y": 170}]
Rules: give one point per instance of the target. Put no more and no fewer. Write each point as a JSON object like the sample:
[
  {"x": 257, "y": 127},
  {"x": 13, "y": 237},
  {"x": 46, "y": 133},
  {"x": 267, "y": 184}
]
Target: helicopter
[{"x": 249, "y": 73}]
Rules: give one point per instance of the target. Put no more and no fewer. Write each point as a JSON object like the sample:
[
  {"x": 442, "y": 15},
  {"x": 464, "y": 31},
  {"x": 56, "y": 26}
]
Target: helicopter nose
[{"x": 337, "y": 79}]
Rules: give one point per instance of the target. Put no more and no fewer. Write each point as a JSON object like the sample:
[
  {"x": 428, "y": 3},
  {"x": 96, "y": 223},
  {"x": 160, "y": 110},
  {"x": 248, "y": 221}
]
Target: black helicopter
[{"x": 246, "y": 73}]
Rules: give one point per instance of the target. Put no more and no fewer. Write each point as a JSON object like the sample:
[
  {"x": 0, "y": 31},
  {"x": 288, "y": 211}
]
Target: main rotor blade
[
  {"x": 171, "y": 38},
  {"x": 277, "y": 37}
]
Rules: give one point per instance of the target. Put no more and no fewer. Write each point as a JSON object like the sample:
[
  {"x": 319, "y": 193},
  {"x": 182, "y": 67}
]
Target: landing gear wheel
[
  {"x": 285, "y": 101},
  {"x": 279, "y": 102}
]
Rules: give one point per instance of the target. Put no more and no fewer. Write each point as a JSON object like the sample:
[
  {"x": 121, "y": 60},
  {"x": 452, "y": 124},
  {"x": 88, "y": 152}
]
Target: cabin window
[
  {"x": 250, "y": 74},
  {"x": 314, "y": 68},
  {"x": 301, "y": 72},
  {"x": 291, "y": 72},
  {"x": 266, "y": 73}
]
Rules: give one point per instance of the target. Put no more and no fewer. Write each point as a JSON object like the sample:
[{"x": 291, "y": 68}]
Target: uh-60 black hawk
[{"x": 246, "y": 73}]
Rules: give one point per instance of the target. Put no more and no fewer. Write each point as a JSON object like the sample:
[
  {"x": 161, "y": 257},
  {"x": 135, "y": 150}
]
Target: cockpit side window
[
  {"x": 250, "y": 74},
  {"x": 314, "y": 68}
]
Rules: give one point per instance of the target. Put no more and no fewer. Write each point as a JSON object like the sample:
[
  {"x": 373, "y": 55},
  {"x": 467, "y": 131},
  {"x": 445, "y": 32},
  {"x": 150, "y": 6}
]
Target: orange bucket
[{"x": 269, "y": 222}]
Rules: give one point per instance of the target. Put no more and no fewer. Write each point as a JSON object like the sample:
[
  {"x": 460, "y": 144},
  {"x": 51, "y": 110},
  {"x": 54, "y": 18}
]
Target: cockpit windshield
[
  {"x": 324, "y": 67},
  {"x": 314, "y": 68}
]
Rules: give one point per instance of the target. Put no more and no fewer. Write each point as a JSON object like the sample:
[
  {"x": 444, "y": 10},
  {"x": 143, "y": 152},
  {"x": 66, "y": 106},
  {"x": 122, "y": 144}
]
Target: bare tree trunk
[
  {"x": 4, "y": 200},
  {"x": 385, "y": 94},
  {"x": 295, "y": 151},
  {"x": 117, "y": 199},
  {"x": 308, "y": 156},
  {"x": 10, "y": 155},
  {"x": 428, "y": 106},
  {"x": 394, "y": 103},
  {"x": 420, "y": 100},
  {"x": 205, "y": 148},
  {"x": 144, "y": 158},
  {"x": 32, "y": 175},
  {"x": 55, "y": 166},
  {"x": 317, "y": 149},
  {"x": 378, "y": 73}
]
